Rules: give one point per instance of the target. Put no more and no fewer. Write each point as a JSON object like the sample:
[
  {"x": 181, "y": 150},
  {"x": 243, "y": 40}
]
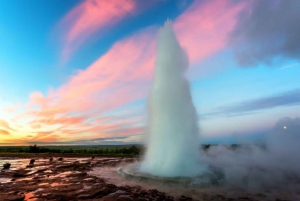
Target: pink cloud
[
  {"x": 204, "y": 27},
  {"x": 36, "y": 126},
  {"x": 124, "y": 73},
  {"x": 89, "y": 17},
  {"x": 11, "y": 108},
  {"x": 5, "y": 125},
  {"x": 111, "y": 74},
  {"x": 4, "y": 132},
  {"x": 61, "y": 120},
  {"x": 37, "y": 98},
  {"x": 92, "y": 91},
  {"x": 46, "y": 137},
  {"x": 95, "y": 16}
]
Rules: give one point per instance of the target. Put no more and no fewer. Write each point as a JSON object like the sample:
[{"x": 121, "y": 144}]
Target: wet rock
[
  {"x": 6, "y": 166},
  {"x": 185, "y": 198},
  {"x": 32, "y": 161},
  {"x": 60, "y": 159},
  {"x": 125, "y": 188},
  {"x": 69, "y": 181},
  {"x": 17, "y": 174},
  {"x": 261, "y": 195},
  {"x": 51, "y": 159},
  {"x": 143, "y": 199},
  {"x": 92, "y": 157},
  {"x": 105, "y": 190},
  {"x": 84, "y": 196},
  {"x": 67, "y": 166},
  {"x": 66, "y": 188},
  {"x": 41, "y": 170},
  {"x": 136, "y": 195},
  {"x": 153, "y": 192},
  {"x": 11, "y": 197},
  {"x": 123, "y": 198},
  {"x": 30, "y": 166},
  {"x": 244, "y": 198}
]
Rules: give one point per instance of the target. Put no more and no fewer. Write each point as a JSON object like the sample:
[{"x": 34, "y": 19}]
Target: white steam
[
  {"x": 276, "y": 164},
  {"x": 172, "y": 140}
]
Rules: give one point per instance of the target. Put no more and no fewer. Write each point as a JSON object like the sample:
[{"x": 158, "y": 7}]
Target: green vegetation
[
  {"x": 109, "y": 150},
  {"x": 93, "y": 150}
]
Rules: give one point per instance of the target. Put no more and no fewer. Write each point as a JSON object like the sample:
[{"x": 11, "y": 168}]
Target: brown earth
[{"x": 68, "y": 180}]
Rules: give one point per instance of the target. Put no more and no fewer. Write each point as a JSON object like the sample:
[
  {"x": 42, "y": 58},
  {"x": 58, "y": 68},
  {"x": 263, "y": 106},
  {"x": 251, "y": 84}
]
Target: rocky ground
[{"x": 66, "y": 180}]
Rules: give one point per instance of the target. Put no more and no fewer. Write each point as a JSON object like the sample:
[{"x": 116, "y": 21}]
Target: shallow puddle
[
  {"x": 48, "y": 171},
  {"x": 43, "y": 184},
  {"x": 25, "y": 179},
  {"x": 29, "y": 197},
  {"x": 56, "y": 184},
  {"x": 64, "y": 174},
  {"x": 5, "y": 180}
]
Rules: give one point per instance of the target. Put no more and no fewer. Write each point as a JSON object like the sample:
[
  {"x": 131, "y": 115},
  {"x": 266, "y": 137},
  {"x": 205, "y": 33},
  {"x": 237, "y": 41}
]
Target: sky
[{"x": 79, "y": 72}]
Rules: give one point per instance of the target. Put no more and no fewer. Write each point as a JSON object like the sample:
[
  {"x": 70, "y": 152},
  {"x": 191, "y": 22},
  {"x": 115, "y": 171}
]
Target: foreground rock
[
  {"x": 68, "y": 180},
  {"x": 32, "y": 161},
  {"x": 6, "y": 166}
]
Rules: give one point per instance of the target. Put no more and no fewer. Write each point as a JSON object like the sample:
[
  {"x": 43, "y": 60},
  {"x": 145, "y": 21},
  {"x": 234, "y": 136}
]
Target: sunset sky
[{"x": 79, "y": 72}]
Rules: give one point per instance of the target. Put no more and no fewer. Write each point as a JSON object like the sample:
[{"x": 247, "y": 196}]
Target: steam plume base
[{"x": 131, "y": 171}]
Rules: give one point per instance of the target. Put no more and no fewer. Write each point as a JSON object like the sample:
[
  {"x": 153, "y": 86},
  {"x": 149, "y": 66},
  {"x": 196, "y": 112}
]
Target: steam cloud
[
  {"x": 274, "y": 165},
  {"x": 172, "y": 141},
  {"x": 270, "y": 29}
]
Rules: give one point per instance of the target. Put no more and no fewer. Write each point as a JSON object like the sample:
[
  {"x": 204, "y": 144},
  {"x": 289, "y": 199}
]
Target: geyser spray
[{"x": 172, "y": 137}]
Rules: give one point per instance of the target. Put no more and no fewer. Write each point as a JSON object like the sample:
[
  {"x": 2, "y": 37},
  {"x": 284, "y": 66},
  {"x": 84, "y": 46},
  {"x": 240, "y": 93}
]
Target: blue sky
[{"x": 81, "y": 71}]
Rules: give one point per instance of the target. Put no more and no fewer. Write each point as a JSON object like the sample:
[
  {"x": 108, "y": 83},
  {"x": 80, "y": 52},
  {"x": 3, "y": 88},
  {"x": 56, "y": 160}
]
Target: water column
[{"x": 172, "y": 139}]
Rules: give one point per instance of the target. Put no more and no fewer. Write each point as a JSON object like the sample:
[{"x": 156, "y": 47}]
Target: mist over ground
[{"x": 273, "y": 164}]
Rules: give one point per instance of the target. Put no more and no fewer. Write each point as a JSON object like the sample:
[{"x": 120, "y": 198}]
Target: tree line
[{"x": 131, "y": 150}]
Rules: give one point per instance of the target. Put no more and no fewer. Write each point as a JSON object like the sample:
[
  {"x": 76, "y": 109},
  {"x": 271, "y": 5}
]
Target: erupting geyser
[{"x": 172, "y": 137}]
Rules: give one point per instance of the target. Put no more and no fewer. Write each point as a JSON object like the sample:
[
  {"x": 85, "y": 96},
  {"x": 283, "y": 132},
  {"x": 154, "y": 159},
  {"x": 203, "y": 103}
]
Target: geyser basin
[{"x": 172, "y": 139}]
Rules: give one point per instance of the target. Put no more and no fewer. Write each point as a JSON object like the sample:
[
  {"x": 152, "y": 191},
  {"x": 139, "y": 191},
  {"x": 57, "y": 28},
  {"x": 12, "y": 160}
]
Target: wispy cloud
[
  {"x": 4, "y": 132},
  {"x": 90, "y": 16},
  {"x": 95, "y": 16},
  {"x": 204, "y": 28},
  {"x": 11, "y": 108},
  {"x": 289, "y": 66},
  {"x": 5, "y": 125},
  {"x": 289, "y": 98},
  {"x": 118, "y": 140}
]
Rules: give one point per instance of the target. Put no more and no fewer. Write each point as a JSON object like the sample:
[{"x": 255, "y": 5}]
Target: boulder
[{"x": 6, "y": 166}]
